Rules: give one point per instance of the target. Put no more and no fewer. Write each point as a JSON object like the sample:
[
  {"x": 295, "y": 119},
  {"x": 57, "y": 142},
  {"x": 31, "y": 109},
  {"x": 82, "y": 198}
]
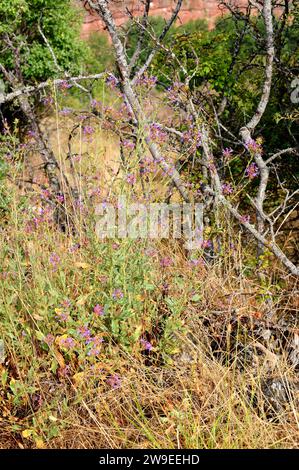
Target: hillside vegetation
[{"x": 137, "y": 341}]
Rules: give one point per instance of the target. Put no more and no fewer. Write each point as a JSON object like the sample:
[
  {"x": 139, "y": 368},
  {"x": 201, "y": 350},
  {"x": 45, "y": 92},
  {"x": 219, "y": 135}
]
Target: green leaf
[
  {"x": 196, "y": 298},
  {"x": 39, "y": 335}
]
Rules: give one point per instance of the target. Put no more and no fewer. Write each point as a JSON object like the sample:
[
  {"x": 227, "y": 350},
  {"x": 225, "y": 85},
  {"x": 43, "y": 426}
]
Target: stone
[{"x": 190, "y": 10}]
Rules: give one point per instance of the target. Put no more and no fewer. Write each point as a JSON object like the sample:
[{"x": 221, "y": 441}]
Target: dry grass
[
  {"x": 186, "y": 398},
  {"x": 194, "y": 389}
]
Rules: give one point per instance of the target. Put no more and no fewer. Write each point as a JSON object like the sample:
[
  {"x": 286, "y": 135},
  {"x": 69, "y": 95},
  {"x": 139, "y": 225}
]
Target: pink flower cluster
[
  {"x": 98, "y": 310},
  {"x": 192, "y": 137},
  {"x": 88, "y": 131},
  {"x": 147, "y": 346},
  {"x": 96, "y": 104},
  {"x": 65, "y": 111},
  {"x": 166, "y": 262},
  {"x": 157, "y": 134},
  {"x": 112, "y": 81},
  {"x": 128, "y": 144},
  {"x": 65, "y": 85},
  {"x": 253, "y": 146},
  {"x": 114, "y": 381},
  {"x": 68, "y": 343},
  {"x": 117, "y": 294},
  {"x": 149, "y": 81},
  {"x": 227, "y": 153},
  {"x": 40, "y": 216},
  {"x": 252, "y": 171},
  {"x": 227, "y": 189},
  {"x": 131, "y": 179},
  {"x": 174, "y": 90},
  {"x": 96, "y": 343}
]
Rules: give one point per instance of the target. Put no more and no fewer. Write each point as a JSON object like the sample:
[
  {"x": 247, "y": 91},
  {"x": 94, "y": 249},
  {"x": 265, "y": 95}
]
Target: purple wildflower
[
  {"x": 166, "y": 262},
  {"x": 147, "y": 346},
  {"x": 252, "y": 171},
  {"x": 245, "y": 219},
  {"x": 253, "y": 146},
  {"x": 170, "y": 171},
  {"x": 73, "y": 248},
  {"x": 206, "y": 244},
  {"x": 98, "y": 310},
  {"x": 173, "y": 91},
  {"x": 68, "y": 343},
  {"x": 54, "y": 260},
  {"x": 227, "y": 153},
  {"x": 45, "y": 194},
  {"x": 212, "y": 167},
  {"x": 65, "y": 111},
  {"x": 65, "y": 85},
  {"x": 95, "y": 192},
  {"x": 88, "y": 130},
  {"x": 193, "y": 137},
  {"x": 80, "y": 204},
  {"x": 147, "y": 81},
  {"x": 114, "y": 381},
  {"x": 84, "y": 332},
  {"x": 112, "y": 81},
  {"x": 227, "y": 189},
  {"x": 156, "y": 133},
  {"x": 129, "y": 144},
  {"x": 60, "y": 198},
  {"x": 96, "y": 104},
  {"x": 47, "y": 100},
  {"x": 196, "y": 261},
  {"x": 64, "y": 371},
  {"x": 96, "y": 344},
  {"x": 31, "y": 135},
  {"x": 49, "y": 339},
  {"x": 61, "y": 316},
  {"x": 131, "y": 179},
  {"x": 117, "y": 294}
]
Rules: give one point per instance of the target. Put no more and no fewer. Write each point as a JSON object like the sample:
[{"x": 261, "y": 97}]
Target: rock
[
  {"x": 190, "y": 10},
  {"x": 279, "y": 392}
]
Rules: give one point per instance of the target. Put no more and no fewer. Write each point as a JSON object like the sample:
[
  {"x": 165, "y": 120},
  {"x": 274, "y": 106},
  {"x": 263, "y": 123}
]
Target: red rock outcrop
[{"x": 190, "y": 10}]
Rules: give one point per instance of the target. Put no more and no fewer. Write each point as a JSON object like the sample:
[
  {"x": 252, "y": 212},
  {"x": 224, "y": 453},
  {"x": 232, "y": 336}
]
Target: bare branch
[
  {"x": 49, "y": 47},
  {"x": 102, "y": 8},
  {"x": 293, "y": 150},
  {"x": 138, "y": 49},
  {"x": 271, "y": 245},
  {"x": 166, "y": 28},
  {"x": 30, "y": 89},
  {"x": 268, "y": 20}
]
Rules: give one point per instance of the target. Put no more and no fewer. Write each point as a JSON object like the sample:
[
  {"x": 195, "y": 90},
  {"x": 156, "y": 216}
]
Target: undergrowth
[{"x": 116, "y": 344}]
